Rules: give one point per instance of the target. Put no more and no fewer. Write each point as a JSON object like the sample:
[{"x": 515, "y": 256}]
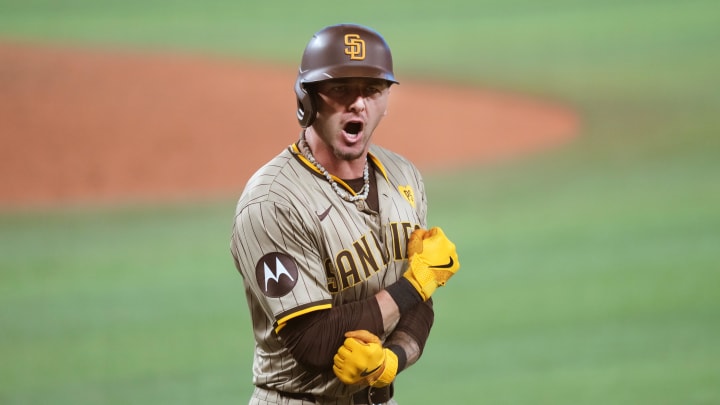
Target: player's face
[{"x": 349, "y": 110}]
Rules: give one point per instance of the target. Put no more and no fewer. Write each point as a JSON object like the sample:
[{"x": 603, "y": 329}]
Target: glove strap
[
  {"x": 404, "y": 294},
  {"x": 401, "y": 355},
  {"x": 390, "y": 371}
]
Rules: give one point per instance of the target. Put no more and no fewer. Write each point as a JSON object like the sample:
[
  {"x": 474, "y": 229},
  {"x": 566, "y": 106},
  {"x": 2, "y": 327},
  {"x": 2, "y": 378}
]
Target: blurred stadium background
[{"x": 591, "y": 273}]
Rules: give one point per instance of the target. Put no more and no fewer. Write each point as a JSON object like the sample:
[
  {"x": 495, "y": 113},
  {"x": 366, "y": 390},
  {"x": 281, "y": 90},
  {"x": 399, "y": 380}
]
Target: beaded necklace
[{"x": 305, "y": 149}]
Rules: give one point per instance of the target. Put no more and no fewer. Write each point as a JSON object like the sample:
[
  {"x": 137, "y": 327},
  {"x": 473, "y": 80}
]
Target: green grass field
[{"x": 591, "y": 273}]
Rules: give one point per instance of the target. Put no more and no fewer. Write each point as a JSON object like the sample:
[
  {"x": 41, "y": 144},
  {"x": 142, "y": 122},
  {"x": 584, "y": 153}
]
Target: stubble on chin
[
  {"x": 351, "y": 154},
  {"x": 347, "y": 156}
]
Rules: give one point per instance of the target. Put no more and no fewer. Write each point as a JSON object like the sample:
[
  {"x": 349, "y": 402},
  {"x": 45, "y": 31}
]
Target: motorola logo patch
[{"x": 276, "y": 274}]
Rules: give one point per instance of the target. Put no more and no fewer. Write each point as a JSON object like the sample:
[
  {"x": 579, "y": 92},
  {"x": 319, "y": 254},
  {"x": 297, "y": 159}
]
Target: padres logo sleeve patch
[{"x": 276, "y": 274}]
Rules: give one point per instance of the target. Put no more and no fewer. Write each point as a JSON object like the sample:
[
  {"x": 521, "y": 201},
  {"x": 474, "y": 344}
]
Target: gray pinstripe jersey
[{"x": 301, "y": 248}]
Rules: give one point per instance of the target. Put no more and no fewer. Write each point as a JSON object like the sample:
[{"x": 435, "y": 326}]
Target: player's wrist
[
  {"x": 405, "y": 295},
  {"x": 389, "y": 370},
  {"x": 421, "y": 276},
  {"x": 401, "y": 356}
]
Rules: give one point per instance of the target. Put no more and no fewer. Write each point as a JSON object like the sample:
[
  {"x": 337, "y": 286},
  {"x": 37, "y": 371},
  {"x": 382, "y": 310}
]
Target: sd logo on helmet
[{"x": 340, "y": 51}]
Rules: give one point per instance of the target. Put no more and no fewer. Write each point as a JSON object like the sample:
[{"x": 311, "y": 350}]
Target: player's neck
[{"x": 338, "y": 167}]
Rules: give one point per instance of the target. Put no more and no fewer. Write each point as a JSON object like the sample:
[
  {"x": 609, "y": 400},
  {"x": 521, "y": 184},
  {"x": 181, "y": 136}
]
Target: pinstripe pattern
[{"x": 294, "y": 233}]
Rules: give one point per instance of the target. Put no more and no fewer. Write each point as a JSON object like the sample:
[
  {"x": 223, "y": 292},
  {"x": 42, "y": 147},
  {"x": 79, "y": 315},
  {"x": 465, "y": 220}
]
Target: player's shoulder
[
  {"x": 392, "y": 162},
  {"x": 278, "y": 172},
  {"x": 383, "y": 154}
]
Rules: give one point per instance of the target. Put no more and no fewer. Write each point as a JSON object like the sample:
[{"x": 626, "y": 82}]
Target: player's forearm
[
  {"x": 388, "y": 309},
  {"x": 313, "y": 338},
  {"x": 411, "y": 333},
  {"x": 405, "y": 348}
]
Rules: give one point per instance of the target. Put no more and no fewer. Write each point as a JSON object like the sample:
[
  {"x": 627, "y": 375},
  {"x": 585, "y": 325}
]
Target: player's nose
[{"x": 357, "y": 101}]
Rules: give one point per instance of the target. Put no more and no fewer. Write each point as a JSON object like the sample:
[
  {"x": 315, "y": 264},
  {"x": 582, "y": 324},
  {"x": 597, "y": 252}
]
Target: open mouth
[{"x": 353, "y": 128}]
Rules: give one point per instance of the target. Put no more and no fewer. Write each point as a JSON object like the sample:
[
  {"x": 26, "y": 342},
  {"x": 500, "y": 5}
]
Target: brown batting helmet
[{"x": 340, "y": 51}]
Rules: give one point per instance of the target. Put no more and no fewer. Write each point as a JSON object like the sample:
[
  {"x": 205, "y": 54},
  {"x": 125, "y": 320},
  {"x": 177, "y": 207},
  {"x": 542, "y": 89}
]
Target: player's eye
[
  {"x": 340, "y": 89},
  {"x": 372, "y": 91}
]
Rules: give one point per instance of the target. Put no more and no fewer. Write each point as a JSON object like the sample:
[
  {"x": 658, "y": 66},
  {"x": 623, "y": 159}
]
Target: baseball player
[{"x": 330, "y": 239}]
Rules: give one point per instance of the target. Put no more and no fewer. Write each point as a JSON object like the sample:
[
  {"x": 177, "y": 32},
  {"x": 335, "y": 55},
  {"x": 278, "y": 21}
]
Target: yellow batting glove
[
  {"x": 415, "y": 243},
  {"x": 363, "y": 359},
  {"x": 433, "y": 260}
]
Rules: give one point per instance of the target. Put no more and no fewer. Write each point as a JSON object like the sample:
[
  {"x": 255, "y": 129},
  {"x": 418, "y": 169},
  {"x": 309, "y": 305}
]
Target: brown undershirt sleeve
[
  {"x": 411, "y": 333},
  {"x": 313, "y": 338}
]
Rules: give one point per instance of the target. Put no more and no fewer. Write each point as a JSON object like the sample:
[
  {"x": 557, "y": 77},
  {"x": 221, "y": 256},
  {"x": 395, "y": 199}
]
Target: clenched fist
[
  {"x": 433, "y": 260},
  {"x": 363, "y": 359}
]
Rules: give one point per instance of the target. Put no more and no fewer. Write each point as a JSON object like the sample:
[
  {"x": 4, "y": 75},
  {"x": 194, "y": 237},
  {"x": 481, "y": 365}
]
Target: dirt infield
[{"x": 97, "y": 126}]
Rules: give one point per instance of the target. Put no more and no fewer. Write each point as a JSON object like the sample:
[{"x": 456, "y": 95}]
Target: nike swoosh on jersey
[
  {"x": 323, "y": 214},
  {"x": 366, "y": 373},
  {"x": 444, "y": 266}
]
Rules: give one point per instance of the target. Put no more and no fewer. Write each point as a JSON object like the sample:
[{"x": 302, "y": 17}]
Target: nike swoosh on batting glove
[{"x": 432, "y": 262}]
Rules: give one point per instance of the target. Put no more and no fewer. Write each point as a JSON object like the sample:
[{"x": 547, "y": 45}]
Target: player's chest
[
  {"x": 358, "y": 244},
  {"x": 343, "y": 224}
]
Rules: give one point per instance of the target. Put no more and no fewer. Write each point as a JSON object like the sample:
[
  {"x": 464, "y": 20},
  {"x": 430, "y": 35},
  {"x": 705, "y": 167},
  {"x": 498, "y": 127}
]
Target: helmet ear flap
[{"x": 305, "y": 105}]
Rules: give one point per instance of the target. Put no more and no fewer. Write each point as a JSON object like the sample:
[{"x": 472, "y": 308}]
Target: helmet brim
[{"x": 346, "y": 71}]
